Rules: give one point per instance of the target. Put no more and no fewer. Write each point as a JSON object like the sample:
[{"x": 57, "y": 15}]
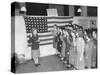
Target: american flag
[{"x": 44, "y": 26}]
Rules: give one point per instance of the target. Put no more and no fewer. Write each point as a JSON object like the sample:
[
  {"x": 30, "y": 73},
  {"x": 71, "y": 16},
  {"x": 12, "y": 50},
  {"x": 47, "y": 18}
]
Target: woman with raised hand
[{"x": 54, "y": 32}]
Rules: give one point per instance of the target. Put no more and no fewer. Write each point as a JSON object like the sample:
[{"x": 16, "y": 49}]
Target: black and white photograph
[{"x": 48, "y": 37}]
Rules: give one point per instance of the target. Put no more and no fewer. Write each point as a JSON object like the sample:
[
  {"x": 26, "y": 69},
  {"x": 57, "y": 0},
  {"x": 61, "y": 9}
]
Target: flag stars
[{"x": 38, "y": 22}]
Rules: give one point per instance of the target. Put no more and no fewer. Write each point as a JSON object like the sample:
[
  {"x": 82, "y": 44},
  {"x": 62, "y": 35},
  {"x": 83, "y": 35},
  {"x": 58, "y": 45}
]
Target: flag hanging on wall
[{"x": 44, "y": 26}]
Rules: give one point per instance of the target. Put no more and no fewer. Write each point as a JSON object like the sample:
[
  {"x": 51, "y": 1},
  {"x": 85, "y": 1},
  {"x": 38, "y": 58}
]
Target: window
[
  {"x": 91, "y": 11},
  {"x": 36, "y": 9}
]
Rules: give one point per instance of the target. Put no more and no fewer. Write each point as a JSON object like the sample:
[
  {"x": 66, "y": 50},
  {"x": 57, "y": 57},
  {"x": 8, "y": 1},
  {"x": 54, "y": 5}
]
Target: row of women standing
[{"x": 76, "y": 47}]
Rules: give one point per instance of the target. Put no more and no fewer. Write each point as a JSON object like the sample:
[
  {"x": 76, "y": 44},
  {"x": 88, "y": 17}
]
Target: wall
[
  {"x": 20, "y": 37},
  {"x": 84, "y": 21},
  {"x": 12, "y": 35}
]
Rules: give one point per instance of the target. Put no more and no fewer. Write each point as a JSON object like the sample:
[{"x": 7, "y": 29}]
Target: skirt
[
  {"x": 72, "y": 56},
  {"x": 35, "y": 53},
  {"x": 80, "y": 65},
  {"x": 63, "y": 49},
  {"x": 54, "y": 43}
]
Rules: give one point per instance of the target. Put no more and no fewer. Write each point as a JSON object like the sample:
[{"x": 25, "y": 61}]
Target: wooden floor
[{"x": 48, "y": 63}]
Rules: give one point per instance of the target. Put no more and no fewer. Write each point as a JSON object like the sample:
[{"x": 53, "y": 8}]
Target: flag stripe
[
  {"x": 60, "y": 17},
  {"x": 44, "y": 32},
  {"x": 46, "y": 43},
  {"x": 60, "y": 20},
  {"x": 52, "y": 27},
  {"x": 46, "y": 39},
  {"x": 48, "y": 35},
  {"x": 42, "y": 42},
  {"x": 58, "y": 24},
  {"x": 54, "y": 22}
]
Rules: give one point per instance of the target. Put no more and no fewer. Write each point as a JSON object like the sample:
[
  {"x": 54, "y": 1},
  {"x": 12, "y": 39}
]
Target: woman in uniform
[
  {"x": 88, "y": 49},
  {"x": 63, "y": 45},
  {"x": 79, "y": 44},
  {"x": 94, "y": 53},
  {"x": 35, "y": 47},
  {"x": 54, "y": 32},
  {"x": 59, "y": 41}
]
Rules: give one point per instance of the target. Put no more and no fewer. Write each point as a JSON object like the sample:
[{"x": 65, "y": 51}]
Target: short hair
[
  {"x": 80, "y": 32},
  {"x": 81, "y": 27},
  {"x": 56, "y": 26},
  {"x": 86, "y": 30},
  {"x": 89, "y": 33},
  {"x": 33, "y": 29},
  {"x": 94, "y": 30}
]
